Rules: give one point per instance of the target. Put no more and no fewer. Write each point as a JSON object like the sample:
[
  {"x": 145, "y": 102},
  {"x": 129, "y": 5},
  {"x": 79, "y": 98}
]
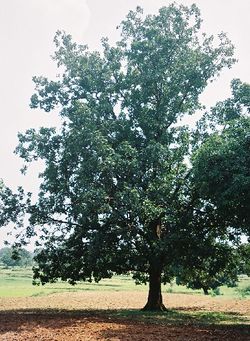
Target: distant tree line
[{"x": 9, "y": 257}]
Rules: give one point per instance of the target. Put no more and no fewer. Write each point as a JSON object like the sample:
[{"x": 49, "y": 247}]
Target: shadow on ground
[{"x": 24, "y": 324}]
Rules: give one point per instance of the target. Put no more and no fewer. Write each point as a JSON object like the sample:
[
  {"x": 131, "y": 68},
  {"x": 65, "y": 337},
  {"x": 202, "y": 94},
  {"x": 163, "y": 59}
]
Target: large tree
[{"x": 117, "y": 190}]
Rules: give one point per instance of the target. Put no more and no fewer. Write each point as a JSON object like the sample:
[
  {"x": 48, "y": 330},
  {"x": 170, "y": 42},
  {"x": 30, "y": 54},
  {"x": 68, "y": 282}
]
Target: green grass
[
  {"x": 182, "y": 317},
  {"x": 17, "y": 282}
]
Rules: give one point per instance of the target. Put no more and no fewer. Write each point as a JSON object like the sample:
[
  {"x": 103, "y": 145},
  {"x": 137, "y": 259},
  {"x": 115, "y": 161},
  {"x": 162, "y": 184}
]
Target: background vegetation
[{"x": 17, "y": 282}]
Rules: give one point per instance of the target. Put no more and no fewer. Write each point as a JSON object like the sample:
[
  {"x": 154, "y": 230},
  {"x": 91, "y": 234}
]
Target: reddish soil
[{"x": 89, "y": 316}]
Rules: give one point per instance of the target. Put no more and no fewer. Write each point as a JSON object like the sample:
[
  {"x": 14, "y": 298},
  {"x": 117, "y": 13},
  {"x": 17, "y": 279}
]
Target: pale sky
[{"x": 27, "y": 28}]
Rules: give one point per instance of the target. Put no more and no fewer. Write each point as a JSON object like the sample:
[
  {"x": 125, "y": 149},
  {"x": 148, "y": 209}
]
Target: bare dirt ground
[{"x": 103, "y": 316}]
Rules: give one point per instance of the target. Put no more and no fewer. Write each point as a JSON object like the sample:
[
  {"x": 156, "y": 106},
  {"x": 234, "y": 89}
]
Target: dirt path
[
  {"x": 124, "y": 300},
  {"x": 88, "y": 316}
]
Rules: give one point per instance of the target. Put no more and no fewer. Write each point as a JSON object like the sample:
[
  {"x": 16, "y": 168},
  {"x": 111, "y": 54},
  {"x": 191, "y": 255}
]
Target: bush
[
  {"x": 244, "y": 291},
  {"x": 216, "y": 292}
]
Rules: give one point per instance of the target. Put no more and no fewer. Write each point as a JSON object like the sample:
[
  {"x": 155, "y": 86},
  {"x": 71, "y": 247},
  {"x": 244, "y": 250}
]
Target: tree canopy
[{"x": 123, "y": 187}]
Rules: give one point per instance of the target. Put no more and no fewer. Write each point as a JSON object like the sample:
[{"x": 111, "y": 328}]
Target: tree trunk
[
  {"x": 154, "y": 302},
  {"x": 205, "y": 290}
]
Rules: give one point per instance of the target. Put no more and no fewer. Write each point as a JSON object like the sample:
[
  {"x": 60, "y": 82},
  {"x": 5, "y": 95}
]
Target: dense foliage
[
  {"x": 222, "y": 164},
  {"x": 123, "y": 187}
]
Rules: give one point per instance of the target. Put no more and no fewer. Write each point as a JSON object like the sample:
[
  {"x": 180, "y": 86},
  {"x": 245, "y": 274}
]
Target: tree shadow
[{"x": 127, "y": 322}]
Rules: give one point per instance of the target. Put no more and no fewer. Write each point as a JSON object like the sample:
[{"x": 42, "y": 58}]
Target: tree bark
[
  {"x": 154, "y": 302},
  {"x": 205, "y": 290}
]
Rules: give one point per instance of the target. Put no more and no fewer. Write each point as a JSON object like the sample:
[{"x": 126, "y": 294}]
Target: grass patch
[
  {"x": 17, "y": 282},
  {"x": 181, "y": 317}
]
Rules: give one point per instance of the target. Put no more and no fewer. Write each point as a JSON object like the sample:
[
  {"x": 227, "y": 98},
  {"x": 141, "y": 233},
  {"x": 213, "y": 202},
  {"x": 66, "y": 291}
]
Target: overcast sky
[{"x": 27, "y": 28}]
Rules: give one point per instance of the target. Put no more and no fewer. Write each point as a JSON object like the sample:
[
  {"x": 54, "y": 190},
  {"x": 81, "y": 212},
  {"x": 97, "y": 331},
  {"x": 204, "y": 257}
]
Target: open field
[
  {"x": 17, "y": 282},
  {"x": 110, "y": 311}
]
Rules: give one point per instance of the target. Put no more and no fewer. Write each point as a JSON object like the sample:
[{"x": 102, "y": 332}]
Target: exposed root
[{"x": 159, "y": 307}]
